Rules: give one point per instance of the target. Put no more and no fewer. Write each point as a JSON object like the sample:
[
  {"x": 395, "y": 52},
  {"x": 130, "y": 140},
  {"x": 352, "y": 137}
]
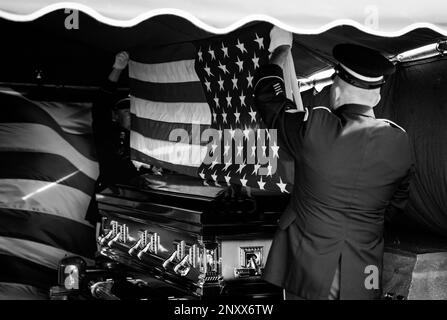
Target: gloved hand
[
  {"x": 121, "y": 60},
  {"x": 279, "y": 37}
]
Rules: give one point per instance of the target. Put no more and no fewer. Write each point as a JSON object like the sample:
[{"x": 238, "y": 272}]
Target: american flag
[
  {"x": 191, "y": 87},
  {"x": 245, "y": 149},
  {"x": 48, "y": 171}
]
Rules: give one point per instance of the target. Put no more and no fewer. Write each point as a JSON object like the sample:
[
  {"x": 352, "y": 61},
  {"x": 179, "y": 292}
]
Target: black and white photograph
[{"x": 223, "y": 158}]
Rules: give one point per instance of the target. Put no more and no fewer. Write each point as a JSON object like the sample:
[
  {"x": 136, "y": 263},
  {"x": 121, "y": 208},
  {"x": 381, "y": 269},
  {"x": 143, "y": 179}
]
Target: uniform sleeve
[
  {"x": 400, "y": 196},
  {"x": 276, "y": 110}
]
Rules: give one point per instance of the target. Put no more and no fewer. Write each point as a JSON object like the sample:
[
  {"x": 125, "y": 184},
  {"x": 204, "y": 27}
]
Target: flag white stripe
[
  {"x": 174, "y": 112},
  {"x": 38, "y": 253},
  {"x": 46, "y": 197},
  {"x": 31, "y": 137},
  {"x": 168, "y": 151},
  {"x": 167, "y": 72}
]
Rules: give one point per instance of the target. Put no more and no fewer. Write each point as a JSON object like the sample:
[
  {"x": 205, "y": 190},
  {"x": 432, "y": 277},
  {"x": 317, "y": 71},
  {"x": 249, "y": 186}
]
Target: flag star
[
  {"x": 253, "y": 115},
  {"x": 227, "y": 179},
  {"x": 237, "y": 115},
  {"x": 264, "y": 148},
  {"x": 214, "y": 117},
  {"x": 269, "y": 169},
  {"x": 256, "y": 169},
  {"x": 241, "y": 46},
  {"x": 246, "y": 133},
  {"x": 220, "y": 134},
  {"x": 214, "y": 176},
  {"x": 225, "y": 51},
  {"x": 234, "y": 80},
  {"x": 213, "y": 147},
  {"x": 241, "y": 167},
  {"x": 255, "y": 61},
  {"x": 216, "y": 100},
  {"x": 208, "y": 85},
  {"x": 227, "y": 165},
  {"x": 213, "y": 164},
  {"x": 221, "y": 84},
  {"x": 200, "y": 53},
  {"x": 268, "y": 134},
  {"x": 202, "y": 175},
  {"x": 232, "y": 132},
  {"x": 244, "y": 181},
  {"x": 275, "y": 149},
  {"x": 240, "y": 148},
  {"x": 208, "y": 70},
  {"x": 205, "y": 183},
  {"x": 226, "y": 149},
  {"x": 228, "y": 100},
  {"x": 242, "y": 98},
  {"x": 261, "y": 184},
  {"x": 260, "y": 42},
  {"x": 223, "y": 68},
  {"x": 211, "y": 52},
  {"x": 282, "y": 186},
  {"x": 240, "y": 64},
  {"x": 250, "y": 80},
  {"x": 253, "y": 151},
  {"x": 224, "y": 117}
]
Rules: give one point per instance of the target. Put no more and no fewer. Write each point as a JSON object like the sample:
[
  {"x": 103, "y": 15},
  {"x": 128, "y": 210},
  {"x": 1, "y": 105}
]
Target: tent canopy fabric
[
  {"x": 380, "y": 17},
  {"x": 84, "y": 55}
]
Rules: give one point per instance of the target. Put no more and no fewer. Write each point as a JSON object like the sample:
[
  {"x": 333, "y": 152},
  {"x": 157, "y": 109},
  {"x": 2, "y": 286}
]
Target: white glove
[
  {"x": 279, "y": 37},
  {"x": 121, "y": 60}
]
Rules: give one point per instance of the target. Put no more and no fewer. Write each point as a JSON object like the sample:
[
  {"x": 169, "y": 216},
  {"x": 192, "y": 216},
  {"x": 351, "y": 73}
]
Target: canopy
[
  {"x": 41, "y": 40},
  {"x": 380, "y": 17}
]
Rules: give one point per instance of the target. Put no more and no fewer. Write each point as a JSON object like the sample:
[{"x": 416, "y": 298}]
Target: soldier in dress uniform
[{"x": 351, "y": 171}]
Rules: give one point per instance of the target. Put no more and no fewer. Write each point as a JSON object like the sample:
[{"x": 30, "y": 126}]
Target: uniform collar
[{"x": 359, "y": 109}]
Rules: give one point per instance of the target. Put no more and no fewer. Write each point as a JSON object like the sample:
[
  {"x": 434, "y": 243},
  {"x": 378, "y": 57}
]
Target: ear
[
  {"x": 337, "y": 95},
  {"x": 377, "y": 98}
]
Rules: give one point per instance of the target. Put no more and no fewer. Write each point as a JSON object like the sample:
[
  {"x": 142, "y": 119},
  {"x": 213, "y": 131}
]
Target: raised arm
[{"x": 275, "y": 109}]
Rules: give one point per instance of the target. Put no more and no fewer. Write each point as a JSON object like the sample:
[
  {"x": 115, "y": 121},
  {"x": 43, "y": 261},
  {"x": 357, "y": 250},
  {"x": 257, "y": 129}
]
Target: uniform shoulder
[{"x": 392, "y": 124}]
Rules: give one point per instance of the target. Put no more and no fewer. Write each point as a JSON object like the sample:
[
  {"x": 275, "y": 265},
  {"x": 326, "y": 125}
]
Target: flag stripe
[
  {"x": 43, "y": 167},
  {"x": 145, "y": 159},
  {"x": 167, "y": 151},
  {"x": 176, "y": 52},
  {"x": 72, "y": 117},
  {"x": 35, "y": 252},
  {"x": 172, "y": 112},
  {"x": 161, "y": 130},
  {"x": 16, "y": 270},
  {"x": 16, "y": 291},
  {"x": 40, "y": 138},
  {"x": 39, "y": 196},
  {"x": 17, "y": 109},
  {"x": 53, "y": 231},
  {"x": 167, "y": 92},
  {"x": 168, "y": 72}
]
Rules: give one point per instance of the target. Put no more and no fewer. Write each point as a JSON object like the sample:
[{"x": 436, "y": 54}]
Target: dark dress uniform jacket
[{"x": 350, "y": 169}]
